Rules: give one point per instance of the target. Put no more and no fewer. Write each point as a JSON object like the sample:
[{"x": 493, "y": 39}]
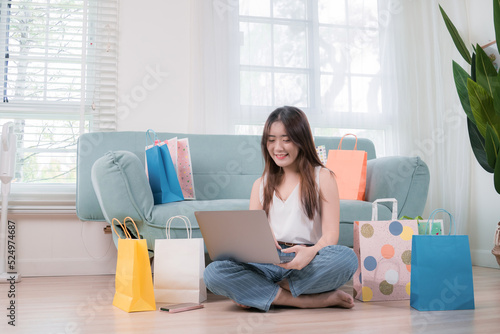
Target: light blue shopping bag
[
  {"x": 441, "y": 271},
  {"x": 161, "y": 172}
]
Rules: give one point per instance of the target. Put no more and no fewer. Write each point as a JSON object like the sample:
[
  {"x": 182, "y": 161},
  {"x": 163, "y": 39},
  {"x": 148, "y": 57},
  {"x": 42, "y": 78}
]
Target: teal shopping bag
[
  {"x": 161, "y": 172},
  {"x": 441, "y": 271}
]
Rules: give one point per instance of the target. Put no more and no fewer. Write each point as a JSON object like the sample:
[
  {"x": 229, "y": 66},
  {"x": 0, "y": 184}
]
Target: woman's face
[{"x": 281, "y": 149}]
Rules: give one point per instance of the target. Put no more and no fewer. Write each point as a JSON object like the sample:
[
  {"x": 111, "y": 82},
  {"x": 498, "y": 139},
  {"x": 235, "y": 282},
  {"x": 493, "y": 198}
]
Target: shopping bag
[
  {"x": 172, "y": 148},
  {"x": 185, "y": 168},
  {"x": 133, "y": 280},
  {"x": 161, "y": 171},
  {"x": 349, "y": 167},
  {"x": 321, "y": 150},
  {"x": 181, "y": 159},
  {"x": 436, "y": 225},
  {"x": 384, "y": 255},
  {"x": 441, "y": 273},
  {"x": 179, "y": 266}
]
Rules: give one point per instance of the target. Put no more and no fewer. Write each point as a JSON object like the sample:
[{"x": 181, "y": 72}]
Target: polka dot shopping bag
[{"x": 383, "y": 249}]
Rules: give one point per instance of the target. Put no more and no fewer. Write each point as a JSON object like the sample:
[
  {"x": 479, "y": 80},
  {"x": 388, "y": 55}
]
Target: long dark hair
[{"x": 299, "y": 132}]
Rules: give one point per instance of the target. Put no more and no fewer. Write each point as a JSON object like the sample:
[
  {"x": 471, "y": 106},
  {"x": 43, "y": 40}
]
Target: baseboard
[
  {"x": 66, "y": 267},
  {"x": 484, "y": 258}
]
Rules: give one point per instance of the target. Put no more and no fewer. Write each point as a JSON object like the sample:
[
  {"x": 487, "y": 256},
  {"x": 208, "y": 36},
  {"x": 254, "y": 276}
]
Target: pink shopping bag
[{"x": 384, "y": 256}]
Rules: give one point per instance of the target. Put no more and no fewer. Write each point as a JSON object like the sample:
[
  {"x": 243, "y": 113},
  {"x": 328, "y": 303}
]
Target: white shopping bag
[{"x": 178, "y": 268}]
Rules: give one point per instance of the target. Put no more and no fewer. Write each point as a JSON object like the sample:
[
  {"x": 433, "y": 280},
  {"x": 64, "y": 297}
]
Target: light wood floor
[{"x": 82, "y": 304}]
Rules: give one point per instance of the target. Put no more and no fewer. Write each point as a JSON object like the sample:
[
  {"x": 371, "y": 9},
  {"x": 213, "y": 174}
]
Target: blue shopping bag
[
  {"x": 441, "y": 271},
  {"x": 161, "y": 172}
]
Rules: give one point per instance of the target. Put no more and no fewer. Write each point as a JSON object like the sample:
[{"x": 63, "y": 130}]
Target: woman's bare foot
[
  {"x": 337, "y": 298},
  {"x": 241, "y": 305}
]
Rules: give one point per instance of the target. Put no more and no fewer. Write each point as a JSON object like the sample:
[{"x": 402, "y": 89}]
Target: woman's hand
[{"x": 303, "y": 256}]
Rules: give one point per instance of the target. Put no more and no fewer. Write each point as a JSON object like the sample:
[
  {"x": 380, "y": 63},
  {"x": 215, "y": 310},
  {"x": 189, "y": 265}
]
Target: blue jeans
[{"x": 256, "y": 285}]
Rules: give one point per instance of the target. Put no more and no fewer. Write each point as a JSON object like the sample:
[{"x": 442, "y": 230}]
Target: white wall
[
  {"x": 485, "y": 205},
  {"x": 154, "y": 37},
  {"x": 53, "y": 245}
]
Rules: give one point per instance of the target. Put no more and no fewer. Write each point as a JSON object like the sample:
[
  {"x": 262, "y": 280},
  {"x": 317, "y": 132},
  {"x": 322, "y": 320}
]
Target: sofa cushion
[
  {"x": 350, "y": 211},
  {"x": 121, "y": 186},
  {"x": 404, "y": 178},
  {"x": 162, "y": 212}
]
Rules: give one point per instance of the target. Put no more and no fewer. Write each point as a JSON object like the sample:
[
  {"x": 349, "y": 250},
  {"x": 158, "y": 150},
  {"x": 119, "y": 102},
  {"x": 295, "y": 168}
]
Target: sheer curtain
[
  {"x": 214, "y": 66},
  {"x": 249, "y": 57},
  {"x": 386, "y": 76},
  {"x": 430, "y": 121}
]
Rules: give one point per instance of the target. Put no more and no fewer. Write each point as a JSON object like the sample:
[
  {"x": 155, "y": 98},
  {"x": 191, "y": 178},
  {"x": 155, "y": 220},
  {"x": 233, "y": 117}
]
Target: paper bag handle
[
  {"x": 452, "y": 221},
  {"x": 394, "y": 208},
  {"x": 127, "y": 235},
  {"x": 124, "y": 228},
  {"x": 133, "y": 222},
  {"x": 186, "y": 221},
  {"x": 151, "y": 141},
  {"x": 348, "y": 134}
]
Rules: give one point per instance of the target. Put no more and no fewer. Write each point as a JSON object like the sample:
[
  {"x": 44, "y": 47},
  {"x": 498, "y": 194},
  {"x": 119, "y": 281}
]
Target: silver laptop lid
[{"x": 241, "y": 235}]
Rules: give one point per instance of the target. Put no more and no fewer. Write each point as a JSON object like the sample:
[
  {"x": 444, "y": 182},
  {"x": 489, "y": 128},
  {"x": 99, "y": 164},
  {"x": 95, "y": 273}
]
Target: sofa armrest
[
  {"x": 121, "y": 187},
  {"x": 404, "y": 178}
]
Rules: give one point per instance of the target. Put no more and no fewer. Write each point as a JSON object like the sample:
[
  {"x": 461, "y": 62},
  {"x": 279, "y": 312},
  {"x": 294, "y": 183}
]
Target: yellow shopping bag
[{"x": 133, "y": 280}]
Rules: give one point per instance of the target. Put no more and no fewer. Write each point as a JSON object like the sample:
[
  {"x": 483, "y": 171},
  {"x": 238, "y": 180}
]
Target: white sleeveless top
[{"x": 288, "y": 220}]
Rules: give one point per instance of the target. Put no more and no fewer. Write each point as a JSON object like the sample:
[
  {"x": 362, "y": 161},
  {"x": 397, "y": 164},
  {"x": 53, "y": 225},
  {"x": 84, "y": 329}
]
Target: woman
[{"x": 301, "y": 200}]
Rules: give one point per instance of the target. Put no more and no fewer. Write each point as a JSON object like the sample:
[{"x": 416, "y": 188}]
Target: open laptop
[{"x": 241, "y": 235}]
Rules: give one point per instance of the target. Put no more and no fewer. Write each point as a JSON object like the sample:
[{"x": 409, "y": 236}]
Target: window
[
  {"x": 322, "y": 56},
  {"x": 58, "y": 61}
]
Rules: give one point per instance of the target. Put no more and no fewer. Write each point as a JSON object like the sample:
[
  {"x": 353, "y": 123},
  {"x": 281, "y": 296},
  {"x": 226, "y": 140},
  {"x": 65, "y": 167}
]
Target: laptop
[{"x": 240, "y": 235}]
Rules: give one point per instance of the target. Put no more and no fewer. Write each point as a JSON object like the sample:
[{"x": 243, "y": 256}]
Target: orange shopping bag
[
  {"x": 133, "y": 280},
  {"x": 349, "y": 167}
]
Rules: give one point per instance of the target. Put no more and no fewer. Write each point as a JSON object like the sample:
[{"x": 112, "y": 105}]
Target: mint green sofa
[{"x": 111, "y": 182}]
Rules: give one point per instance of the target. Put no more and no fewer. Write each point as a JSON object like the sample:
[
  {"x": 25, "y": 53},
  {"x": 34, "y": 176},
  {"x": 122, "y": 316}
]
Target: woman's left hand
[{"x": 303, "y": 256}]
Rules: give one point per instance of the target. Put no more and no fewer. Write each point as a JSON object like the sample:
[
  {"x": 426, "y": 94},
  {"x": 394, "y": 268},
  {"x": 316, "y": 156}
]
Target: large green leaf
[
  {"x": 496, "y": 20},
  {"x": 487, "y": 77},
  {"x": 496, "y": 176},
  {"x": 459, "y": 42},
  {"x": 461, "y": 77},
  {"x": 478, "y": 146},
  {"x": 496, "y": 96},
  {"x": 473, "y": 67},
  {"x": 492, "y": 145},
  {"x": 482, "y": 108}
]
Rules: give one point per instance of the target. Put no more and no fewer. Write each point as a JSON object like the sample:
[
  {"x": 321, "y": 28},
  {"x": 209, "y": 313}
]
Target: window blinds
[{"x": 58, "y": 79}]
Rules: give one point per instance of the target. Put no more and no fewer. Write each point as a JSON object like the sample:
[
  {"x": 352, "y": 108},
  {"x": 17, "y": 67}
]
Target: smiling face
[{"x": 281, "y": 149}]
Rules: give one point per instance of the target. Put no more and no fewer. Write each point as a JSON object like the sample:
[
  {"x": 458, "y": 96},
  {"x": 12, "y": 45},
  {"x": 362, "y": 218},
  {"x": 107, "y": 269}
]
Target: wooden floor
[{"x": 82, "y": 304}]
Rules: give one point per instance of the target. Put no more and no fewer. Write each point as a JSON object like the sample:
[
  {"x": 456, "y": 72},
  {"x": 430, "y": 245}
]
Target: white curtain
[
  {"x": 214, "y": 66},
  {"x": 421, "y": 114},
  {"x": 430, "y": 121}
]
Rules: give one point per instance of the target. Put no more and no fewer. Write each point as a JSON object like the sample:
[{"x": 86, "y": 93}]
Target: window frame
[{"x": 374, "y": 119}]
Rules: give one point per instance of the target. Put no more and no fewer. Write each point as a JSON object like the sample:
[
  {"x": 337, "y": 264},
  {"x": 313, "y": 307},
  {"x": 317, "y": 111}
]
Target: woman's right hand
[{"x": 276, "y": 241}]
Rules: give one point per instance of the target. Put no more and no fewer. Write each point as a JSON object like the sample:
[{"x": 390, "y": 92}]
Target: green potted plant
[{"x": 479, "y": 94}]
